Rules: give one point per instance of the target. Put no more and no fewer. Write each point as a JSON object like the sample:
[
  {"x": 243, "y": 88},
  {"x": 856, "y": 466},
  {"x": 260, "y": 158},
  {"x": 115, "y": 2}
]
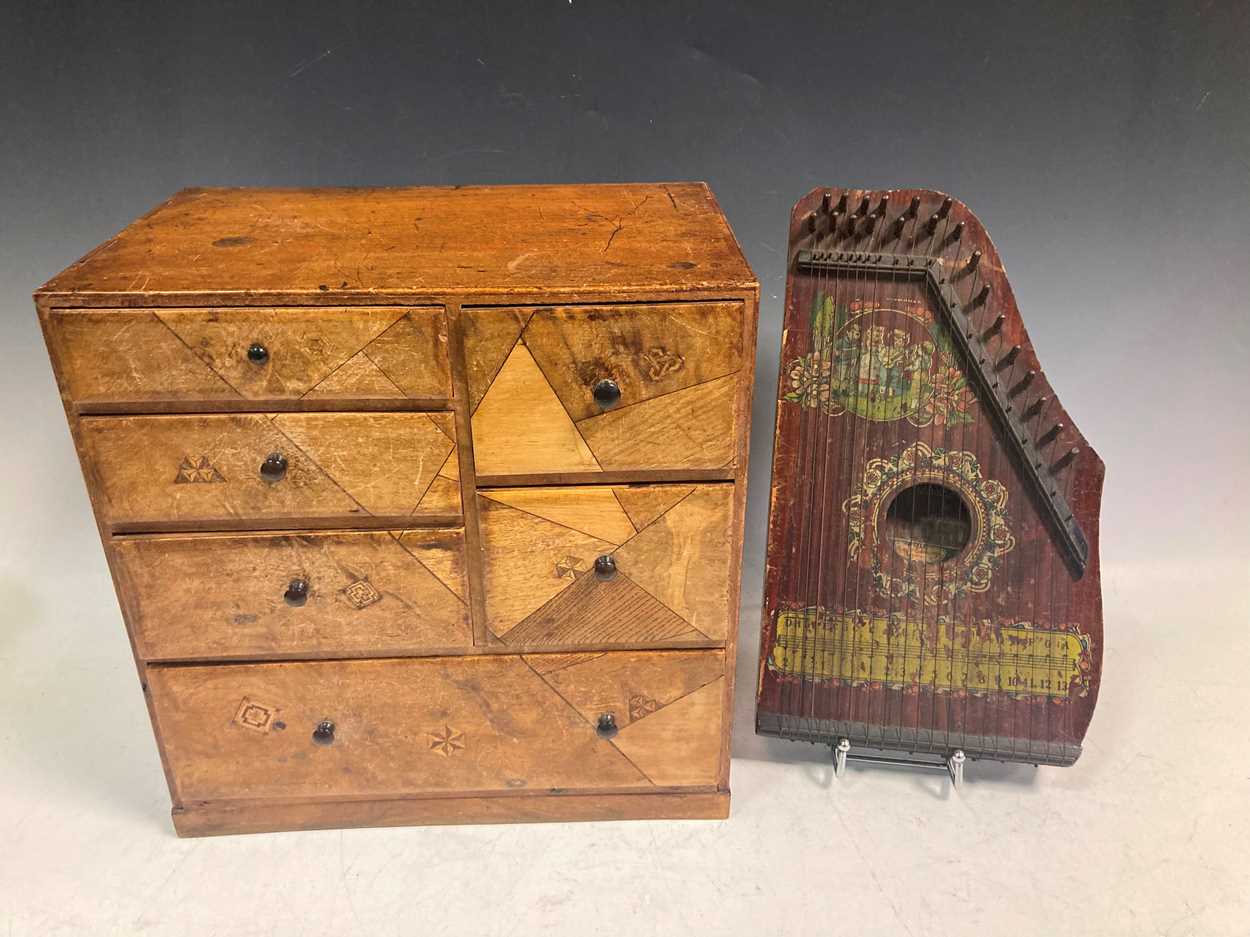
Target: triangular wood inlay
[
  {"x": 645, "y": 503},
  {"x": 593, "y": 511},
  {"x": 305, "y": 344},
  {"x": 413, "y": 354},
  {"x": 633, "y": 686},
  {"x": 527, "y": 560},
  {"x": 683, "y": 558},
  {"x": 442, "y": 553},
  {"x": 680, "y": 743},
  {"x": 521, "y": 427},
  {"x": 489, "y": 336},
  {"x": 647, "y": 434},
  {"x": 594, "y": 611},
  {"x": 386, "y": 464},
  {"x": 358, "y": 377}
]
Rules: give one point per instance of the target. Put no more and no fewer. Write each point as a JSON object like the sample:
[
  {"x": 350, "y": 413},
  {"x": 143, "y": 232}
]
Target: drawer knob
[
  {"x": 324, "y": 733},
  {"x": 257, "y": 353},
  {"x": 606, "y": 728},
  {"x": 605, "y": 567},
  {"x": 273, "y": 469},
  {"x": 296, "y": 592},
  {"x": 607, "y": 392}
]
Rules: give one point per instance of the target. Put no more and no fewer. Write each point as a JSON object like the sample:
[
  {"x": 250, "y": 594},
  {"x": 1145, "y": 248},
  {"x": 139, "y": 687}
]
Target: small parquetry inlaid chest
[{"x": 422, "y": 505}]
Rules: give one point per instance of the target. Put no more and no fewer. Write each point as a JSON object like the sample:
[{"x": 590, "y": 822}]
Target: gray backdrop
[{"x": 1105, "y": 146}]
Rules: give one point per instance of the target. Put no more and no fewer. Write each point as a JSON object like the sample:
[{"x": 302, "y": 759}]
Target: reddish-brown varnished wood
[{"x": 989, "y": 641}]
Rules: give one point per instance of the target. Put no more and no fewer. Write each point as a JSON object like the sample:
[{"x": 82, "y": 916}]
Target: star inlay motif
[{"x": 447, "y": 742}]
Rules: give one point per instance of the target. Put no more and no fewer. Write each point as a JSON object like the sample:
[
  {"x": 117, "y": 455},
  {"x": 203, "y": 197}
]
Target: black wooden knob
[
  {"x": 605, "y": 567},
  {"x": 606, "y": 728},
  {"x": 258, "y": 353},
  {"x": 296, "y": 592},
  {"x": 274, "y": 467},
  {"x": 607, "y": 392},
  {"x": 324, "y": 733}
]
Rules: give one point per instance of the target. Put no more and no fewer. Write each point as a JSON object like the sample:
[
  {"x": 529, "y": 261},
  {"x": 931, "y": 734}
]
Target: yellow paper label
[{"x": 1018, "y": 659}]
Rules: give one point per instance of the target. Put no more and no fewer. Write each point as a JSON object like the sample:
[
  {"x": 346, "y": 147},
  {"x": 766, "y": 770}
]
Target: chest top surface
[{"x": 423, "y": 241}]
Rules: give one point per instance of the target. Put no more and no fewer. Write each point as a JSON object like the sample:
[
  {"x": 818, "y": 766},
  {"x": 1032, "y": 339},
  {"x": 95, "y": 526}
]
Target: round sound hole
[{"x": 928, "y": 523}]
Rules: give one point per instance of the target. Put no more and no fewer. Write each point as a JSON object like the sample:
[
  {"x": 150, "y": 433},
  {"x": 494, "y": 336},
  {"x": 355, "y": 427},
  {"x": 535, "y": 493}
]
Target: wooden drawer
[
  {"x": 374, "y": 593},
  {"x": 117, "y": 356},
  {"x": 342, "y": 469},
  {"x": 431, "y": 725},
  {"x": 532, "y": 376},
  {"x": 670, "y": 546}
]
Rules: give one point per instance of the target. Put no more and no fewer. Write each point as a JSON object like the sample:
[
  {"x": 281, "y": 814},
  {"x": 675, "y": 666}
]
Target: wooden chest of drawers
[{"x": 422, "y": 505}]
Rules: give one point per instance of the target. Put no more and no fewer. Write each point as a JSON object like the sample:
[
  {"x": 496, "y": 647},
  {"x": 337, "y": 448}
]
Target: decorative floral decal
[
  {"x": 881, "y": 363},
  {"x": 919, "y": 579}
]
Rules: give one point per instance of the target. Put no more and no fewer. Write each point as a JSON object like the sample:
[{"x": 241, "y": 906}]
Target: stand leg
[
  {"x": 839, "y": 756},
  {"x": 955, "y": 765}
]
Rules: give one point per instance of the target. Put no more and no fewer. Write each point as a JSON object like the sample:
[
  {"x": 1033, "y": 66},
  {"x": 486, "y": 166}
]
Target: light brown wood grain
[
  {"x": 539, "y": 549},
  {"x": 149, "y": 355},
  {"x": 614, "y": 239},
  {"x": 226, "y": 817},
  {"x": 203, "y": 597},
  {"x": 157, "y": 470},
  {"x": 433, "y": 725},
  {"x": 649, "y": 350},
  {"x": 677, "y": 366},
  {"x": 148, "y": 338}
]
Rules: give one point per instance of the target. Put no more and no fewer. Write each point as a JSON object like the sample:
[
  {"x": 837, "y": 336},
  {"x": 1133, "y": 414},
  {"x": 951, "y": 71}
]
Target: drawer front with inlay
[
  {"x": 315, "y": 354},
  {"x": 497, "y": 723},
  {"x": 340, "y": 594},
  {"x": 259, "y": 470},
  {"x": 602, "y": 566},
  {"x": 604, "y": 388}
]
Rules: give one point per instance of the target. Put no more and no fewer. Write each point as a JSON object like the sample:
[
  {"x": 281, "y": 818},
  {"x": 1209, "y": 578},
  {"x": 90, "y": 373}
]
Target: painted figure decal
[{"x": 882, "y": 362}]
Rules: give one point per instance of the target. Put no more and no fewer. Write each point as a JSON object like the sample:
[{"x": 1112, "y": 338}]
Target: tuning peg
[
  {"x": 825, "y": 199},
  {"x": 982, "y": 297},
  {"x": 835, "y": 218},
  {"x": 995, "y": 327},
  {"x": 1037, "y": 406},
  {"x": 1050, "y": 435},
  {"x": 957, "y": 232},
  {"x": 1064, "y": 460},
  {"x": 974, "y": 260},
  {"x": 899, "y": 224},
  {"x": 883, "y": 204},
  {"x": 870, "y": 223},
  {"x": 863, "y": 205},
  {"x": 946, "y": 207},
  {"x": 810, "y": 222},
  {"x": 1023, "y": 383},
  {"x": 852, "y": 221},
  {"x": 842, "y": 204},
  {"x": 1008, "y": 359},
  {"x": 933, "y": 223}
]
